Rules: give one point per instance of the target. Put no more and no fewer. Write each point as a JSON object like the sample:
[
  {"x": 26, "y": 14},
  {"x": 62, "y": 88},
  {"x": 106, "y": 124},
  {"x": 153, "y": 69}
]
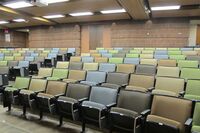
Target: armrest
[
  {"x": 39, "y": 92},
  {"x": 145, "y": 112},
  {"x": 111, "y": 105},
  {"x": 188, "y": 122},
  {"x": 22, "y": 88},
  {"x": 150, "y": 89},
  {"x": 83, "y": 99},
  {"x": 7, "y": 86},
  {"x": 182, "y": 93},
  {"x": 56, "y": 96},
  {"x": 124, "y": 85}
]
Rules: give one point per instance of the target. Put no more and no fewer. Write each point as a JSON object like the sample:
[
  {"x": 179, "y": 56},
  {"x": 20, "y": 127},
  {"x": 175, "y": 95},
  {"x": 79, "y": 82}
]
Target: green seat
[
  {"x": 196, "y": 120},
  {"x": 135, "y": 51},
  {"x": 100, "y": 48},
  {"x": 132, "y": 55},
  {"x": 3, "y": 63},
  {"x": 177, "y": 57},
  {"x": 58, "y": 74},
  {"x": 192, "y": 90},
  {"x": 116, "y": 60},
  {"x": 113, "y": 51},
  {"x": 190, "y": 73},
  {"x": 173, "y": 49},
  {"x": 174, "y": 52},
  {"x": 188, "y": 63},
  {"x": 9, "y": 58}
]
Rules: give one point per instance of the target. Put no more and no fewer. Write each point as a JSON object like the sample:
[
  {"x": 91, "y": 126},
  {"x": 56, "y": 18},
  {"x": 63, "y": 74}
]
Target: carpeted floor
[{"x": 13, "y": 122}]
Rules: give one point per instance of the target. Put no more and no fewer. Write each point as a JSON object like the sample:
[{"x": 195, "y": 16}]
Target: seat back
[
  {"x": 143, "y": 81},
  {"x": 96, "y": 76},
  {"x": 122, "y": 55},
  {"x": 45, "y": 72},
  {"x": 107, "y": 67},
  {"x": 146, "y": 56},
  {"x": 9, "y": 58},
  {"x": 56, "y": 88},
  {"x": 12, "y": 63},
  {"x": 39, "y": 59},
  {"x": 77, "y": 74},
  {"x": 175, "y": 85},
  {"x": 148, "y": 62},
  {"x": 60, "y": 73},
  {"x": 192, "y": 88},
  {"x": 29, "y": 58},
  {"x": 125, "y": 68},
  {"x": 134, "y": 61},
  {"x": 75, "y": 59},
  {"x": 116, "y": 60},
  {"x": 103, "y": 95},
  {"x": 90, "y": 66},
  {"x": 132, "y": 55},
  {"x": 139, "y": 101},
  {"x": 38, "y": 85},
  {"x": 117, "y": 78},
  {"x": 4, "y": 70},
  {"x": 190, "y": 73},
  {"x": 172, "y": 108},
  {"x": 168, "y": 71},
  {"x": 23, "y": 63},
  {"x": 177, "y": 57},
  {"x": 197, "y": 58},
  {"x": 61, "y": 64},
  {"x": 78, "y": 91},
  {"x": 87, "y": 59},
  {"x": 196, "y": 116},
  {"x": 3, "y": 63},
  {"x": 158, "y": 57},
  {"x": 21, "y": 82},
  {"x": 75, "y": 65},
  {"x": 167, "y": 63},
  {"x": 188, "y": 63},
  {"x": 146, "y": 69},
  {"x": 101, "y": 60}
]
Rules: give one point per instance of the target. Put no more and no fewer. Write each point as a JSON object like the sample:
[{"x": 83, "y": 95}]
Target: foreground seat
[
  {"x": 128, "y": 116},
  {"x": 46, "y": 101},
  {"x": 58, "y": 74},
  {"x": 192, "y": 91},
  {"x": 75, "y": 76},
  {"x": 95, "y": 109},
  {"x": 69, "y": 105},
  {"x": 169, "y": 115},
  {"x": 196, "y": 121}
]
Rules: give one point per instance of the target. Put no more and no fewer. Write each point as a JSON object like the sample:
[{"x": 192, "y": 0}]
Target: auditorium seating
[
  {"x": 192, "y": 89},
  {"x": 75, "y": 76},
  {"x": 196, "y": 121}
]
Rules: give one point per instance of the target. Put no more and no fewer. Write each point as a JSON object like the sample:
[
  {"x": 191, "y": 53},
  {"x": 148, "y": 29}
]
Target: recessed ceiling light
[
  {"x": 41, "y": 19},
  {"x": 19, "y": 20},
  {"x": 81, "y": 14},
  {"x": 4, "y": 22},
  {"x": 18, "y": 4},
  {"x": 54, "y": 16},
  {"x": 113, "y": 11},
  {"x": 54, "y": 1},
  {"x": 161, "y": 8}
]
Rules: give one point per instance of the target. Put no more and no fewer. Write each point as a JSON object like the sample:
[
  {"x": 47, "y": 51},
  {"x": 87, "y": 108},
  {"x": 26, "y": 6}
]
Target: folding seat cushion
[
  {"x": 46, "y": 101},
  {"x": 75, "y": 76},
  {"x": 175, "y": 52},
  {"x": 169, "y": 86},
  {"x": 146, "y": 69},
  {"x": 135, "y": 51},
  {"x": 58, "y": 74},
  {"x": 168, "y": 114},
  {"x": 196, "y": 121},
  {"x": 124, "y": 115},
  {"x": 135, "y": 61},
  {"x": 177, "y": 57},
  {"x": 108, "y": 55},
  {"x": 69, "y": 104},
  {"x": 167, "y": 63},
  {"x": 94, "y": 78},
  {"x": 87, "y": 59},
  {"x": 190, "y": 73},
  {"x": 101, "y": 99},
  {"x": 120, "y": 55},
  {"x": 75, "y": 59},
  {"x": 125, "y": 68},
  {"x": 188, "y": 64},
  {"x": 168, "y": 71},
  {"x": 44, "y": 73},
  {"x": 192, "y": 91},
  {"x": 90, "y": 66},
  {"x": 3, "y": 63},
  {"x": 141, "y": 83},
  {"x": 146, "y": 56},
  {"x": 158, "y": 57},
  {"x": 9, "y": 58},
  {"x": 116, "y": 80},
  {"x": 11, "y": 91},
  {"x": 116, "y": 60},
  {"x": 101, "y": 59},
  {"x": 186, "y": 53},
  {"x": 85, "y": 54},
  {"x": 148, "y": 62},
  {"x": 107, "y": 67},
  {"x": 75, "y": 65},
  {"x": 61, "y": 64},
  {"x": 132, "y": 55}
]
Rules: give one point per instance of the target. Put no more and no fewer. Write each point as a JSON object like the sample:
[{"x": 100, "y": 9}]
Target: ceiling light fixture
[
  {"x": 54, "y": 1},
  {"x": 54, "y": 16},
  {"x": 113, "y": 11},
  {"x": 19, "y": 20},
  {"x": 41, "y": 19},
  {"x": 4, "y": 22},
  {"x": 81, "y": 14},
  {"x": 162, "y": 8},
  {"x": 18, "y": 4}
]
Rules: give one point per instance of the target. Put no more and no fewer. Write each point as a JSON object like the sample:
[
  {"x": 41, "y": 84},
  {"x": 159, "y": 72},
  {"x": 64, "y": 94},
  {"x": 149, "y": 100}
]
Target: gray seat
[
  {"x": 94, "y": 78},
  {"x": 135, "y": 61},
  {"x": 146, "y": 69},
  {"x": 87, "y": 59},
  {"x": 124, "y": 115},
  {"x": 107, "y": 67},
  {"x": 75, "y": 65},
  {"x": 116, "y": 80},
  {"x": 94, "y": 110},
  {"x": 68, "y": 105}
]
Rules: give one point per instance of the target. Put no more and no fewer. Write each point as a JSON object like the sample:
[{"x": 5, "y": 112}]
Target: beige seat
[
  {"x": 75, "y": 76},
  {"x": 148, "y": 62},
  {"x": 75, "y": 59},
  {"x": 169, "y": 86},
  {"x": 167, "y": 63},
  {"x": 101, "y": 60},
  {"x": 146, "y": 56},
  {"x": 61, "y": 64},
  {"x": 90, "y": 66},
  {"x": 44, "y": 73},
  {"x": 141, "y": 83},
  {"x": 125, "y": 68},
  {"x": 168, "y": 71}
]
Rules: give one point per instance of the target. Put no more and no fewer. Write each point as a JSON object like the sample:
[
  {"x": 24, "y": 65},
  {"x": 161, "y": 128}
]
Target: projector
[{"x": 39, "y": 3}]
